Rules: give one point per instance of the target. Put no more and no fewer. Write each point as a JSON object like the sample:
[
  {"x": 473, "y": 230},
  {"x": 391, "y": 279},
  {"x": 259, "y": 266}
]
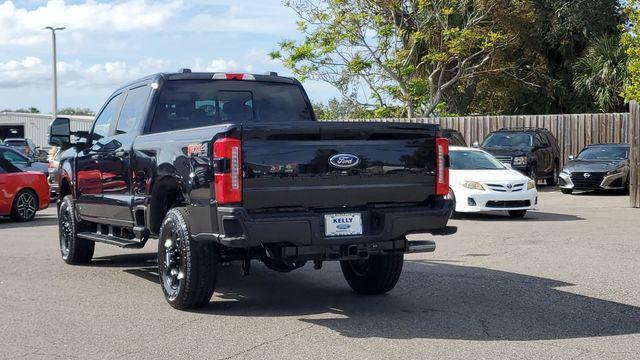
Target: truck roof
[{"x": 187, "y": 74}]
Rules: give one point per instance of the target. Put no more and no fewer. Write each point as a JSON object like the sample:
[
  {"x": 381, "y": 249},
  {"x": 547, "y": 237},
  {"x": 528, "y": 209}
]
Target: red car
[{"x": 22, "y": 193}]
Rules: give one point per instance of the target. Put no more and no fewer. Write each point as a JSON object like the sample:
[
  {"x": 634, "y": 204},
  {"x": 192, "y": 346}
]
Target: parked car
[
  {"x": 23, "y": 192},
  {"x": 532, "y": 151},
  {"x": 22, "y": 161},
  {"x": 25, "y": 146},
  {"x": 235, "y": 167},
  {"x": 455, "y": 137},
  {"x": 54, "y": 170},
  {"x": 597, "y": 167},
  {"x": 479, "y": 182}
]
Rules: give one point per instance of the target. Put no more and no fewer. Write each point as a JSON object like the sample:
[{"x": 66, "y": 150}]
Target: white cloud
[
  {"x": 31, "y": 71},
  {"x": 21, "y": 26},
  {"x": 221, "y": 65}
]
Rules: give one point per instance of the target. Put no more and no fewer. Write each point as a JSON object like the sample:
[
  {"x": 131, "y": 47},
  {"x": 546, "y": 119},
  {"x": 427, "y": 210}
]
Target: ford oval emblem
[
  {"x": 343, "y": 226},
  {"x": 344, "y": 161}
]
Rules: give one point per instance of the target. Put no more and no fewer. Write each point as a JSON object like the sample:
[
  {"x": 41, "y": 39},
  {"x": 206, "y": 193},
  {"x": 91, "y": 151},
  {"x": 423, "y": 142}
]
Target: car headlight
[
  {"x": 616, "y": 171},
  {"x": 565, "y": 172},
  {"x": 531, "y": 185},
  {"x": 520, "y": 160},
  {"x": 473, "y": 185}
]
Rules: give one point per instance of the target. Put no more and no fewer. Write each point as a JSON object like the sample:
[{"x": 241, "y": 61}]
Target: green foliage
[
  {"x": 30, "y": 110},
  {"x": 600, "y": 74},
  {"x": 400, "y": 53},
  {"x": 76, "y": 111},
  {"x": 631, "y": 43}
]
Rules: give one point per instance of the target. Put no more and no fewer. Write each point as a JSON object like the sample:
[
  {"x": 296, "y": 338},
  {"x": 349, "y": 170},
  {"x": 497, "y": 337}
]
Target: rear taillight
[
  {"x": 227, "y": 154},
  {"x": 442, "y": 166}
]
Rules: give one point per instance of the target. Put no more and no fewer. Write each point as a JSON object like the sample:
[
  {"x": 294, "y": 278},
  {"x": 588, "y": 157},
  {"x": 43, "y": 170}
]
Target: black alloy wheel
[{"x": 24, "y": 206}]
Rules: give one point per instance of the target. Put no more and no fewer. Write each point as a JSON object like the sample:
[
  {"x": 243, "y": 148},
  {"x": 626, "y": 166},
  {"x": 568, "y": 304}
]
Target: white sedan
[{"x": 479, "y": 182}]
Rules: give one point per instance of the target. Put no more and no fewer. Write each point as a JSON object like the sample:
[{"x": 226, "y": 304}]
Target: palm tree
[{"x": 600, "y": 74}]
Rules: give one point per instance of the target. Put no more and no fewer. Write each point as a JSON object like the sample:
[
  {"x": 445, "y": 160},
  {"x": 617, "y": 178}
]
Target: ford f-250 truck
[{"x": 234, "y": 167}]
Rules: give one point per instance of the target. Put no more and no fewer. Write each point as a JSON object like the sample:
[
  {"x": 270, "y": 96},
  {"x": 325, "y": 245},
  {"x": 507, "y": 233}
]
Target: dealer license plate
[{"x": 343, "y": 224}]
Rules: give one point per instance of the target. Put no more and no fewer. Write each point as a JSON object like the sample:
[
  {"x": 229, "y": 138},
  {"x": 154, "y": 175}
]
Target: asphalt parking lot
[{"x": 562, "y": 283}]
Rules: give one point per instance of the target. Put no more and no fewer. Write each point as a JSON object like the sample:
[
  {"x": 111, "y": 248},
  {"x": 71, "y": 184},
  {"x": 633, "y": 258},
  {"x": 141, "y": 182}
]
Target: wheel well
[{"x": 166, "y": 194}]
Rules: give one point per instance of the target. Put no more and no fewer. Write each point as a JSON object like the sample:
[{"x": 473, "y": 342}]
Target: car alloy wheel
[{"x": 26, "y": 206}]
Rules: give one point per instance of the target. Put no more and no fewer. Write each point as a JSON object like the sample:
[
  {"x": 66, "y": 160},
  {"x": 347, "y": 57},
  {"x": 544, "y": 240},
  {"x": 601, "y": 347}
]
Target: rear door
[{"x": 114, "y": 161}]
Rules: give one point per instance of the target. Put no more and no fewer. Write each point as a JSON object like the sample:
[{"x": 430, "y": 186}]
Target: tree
[
  {"x": 537, "y": 67},
  {"x": 600, "y": 74},
  {"x": 631, "y": 43},
  {"x": 76, "y": 111},
  {"x": 345, "y": 108},
  {"x": 409, "y": 52},
  {"x": 31, "y": 110}
]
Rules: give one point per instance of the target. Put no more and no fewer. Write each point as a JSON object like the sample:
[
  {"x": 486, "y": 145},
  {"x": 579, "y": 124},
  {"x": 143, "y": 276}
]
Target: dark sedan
[{"x": 597, "y": 167}]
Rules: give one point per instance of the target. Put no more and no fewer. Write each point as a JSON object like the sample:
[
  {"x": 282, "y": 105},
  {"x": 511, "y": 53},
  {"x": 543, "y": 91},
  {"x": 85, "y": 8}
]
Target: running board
[
  {"x": 421, "y": 246},
  {"x": 112, "y": 240}
]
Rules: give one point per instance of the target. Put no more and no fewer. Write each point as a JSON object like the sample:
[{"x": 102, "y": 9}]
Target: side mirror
[
  {"x": 60, "y": 132},
  {"x": 571, "y": 157},
  {"x": 476, "y": 145}
]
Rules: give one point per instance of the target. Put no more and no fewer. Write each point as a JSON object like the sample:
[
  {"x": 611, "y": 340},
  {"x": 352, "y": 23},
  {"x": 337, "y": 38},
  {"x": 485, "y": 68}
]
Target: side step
[
  {"x": 112, "y": 240},
  {"x": 421, "y": 246}
]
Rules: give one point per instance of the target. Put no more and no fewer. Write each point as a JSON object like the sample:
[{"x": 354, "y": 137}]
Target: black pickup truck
[{"x": 235, "y": 167}]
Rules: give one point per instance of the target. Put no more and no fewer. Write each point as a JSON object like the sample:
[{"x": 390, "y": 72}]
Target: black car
[
  {"x": 25, "y": 146},
  {"x": 597, "y": 167},
  {"x": 532, "y": 151},
  {"x": 455, "y": 137}
]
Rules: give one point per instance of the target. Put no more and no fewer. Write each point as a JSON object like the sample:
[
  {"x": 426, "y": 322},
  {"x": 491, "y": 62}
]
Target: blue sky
[{"x": 108, "y": 43}]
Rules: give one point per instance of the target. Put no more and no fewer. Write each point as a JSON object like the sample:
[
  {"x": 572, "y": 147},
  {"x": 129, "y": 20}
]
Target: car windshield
[
  {"x": 15, "y": 143},
  {"x": 473, "y": 160},
  {"x": 508, "y": 139},
  {"x": 604, "y": 153}
]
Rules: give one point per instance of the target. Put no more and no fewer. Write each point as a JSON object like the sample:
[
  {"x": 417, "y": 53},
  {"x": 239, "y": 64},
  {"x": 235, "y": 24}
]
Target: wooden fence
[
  {"x": 634, "y": 141},
  {"x": 574, "y": 132}
]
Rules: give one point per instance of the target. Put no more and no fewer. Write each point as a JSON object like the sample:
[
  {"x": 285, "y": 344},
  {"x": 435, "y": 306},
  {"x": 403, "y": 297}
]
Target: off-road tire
[
  {"x": 74, "y": 250},
  {"x": 25, "y": 205},
  {"x": 517, "y": 214},
  {"x": 197, "y": 266},
  {"x": 376, "y": 275},
  {"x": 533, "y": 174}
]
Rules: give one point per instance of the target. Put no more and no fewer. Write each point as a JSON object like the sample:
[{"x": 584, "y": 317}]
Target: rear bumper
[{"x": 241, "y": 229}]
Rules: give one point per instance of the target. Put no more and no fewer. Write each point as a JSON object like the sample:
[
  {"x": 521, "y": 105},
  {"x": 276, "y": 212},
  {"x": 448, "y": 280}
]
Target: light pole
[{"x": 54, "y": 109}]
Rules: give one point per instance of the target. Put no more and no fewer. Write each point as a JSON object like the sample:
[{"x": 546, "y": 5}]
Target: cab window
[
  {"x": 133, "y": 109},
  {"x": 103, "y": 122}
]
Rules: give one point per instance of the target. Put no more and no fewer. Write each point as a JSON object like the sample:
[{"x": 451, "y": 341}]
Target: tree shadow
[
  {"x": 531, "y": 216},
  {"x": 433, "y": 300}
]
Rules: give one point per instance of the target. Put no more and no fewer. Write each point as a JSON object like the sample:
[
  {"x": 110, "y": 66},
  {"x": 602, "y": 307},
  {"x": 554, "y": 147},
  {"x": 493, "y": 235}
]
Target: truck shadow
[
  {"x": 433, "y": 300},
  {"x": 531, "y": 216}
]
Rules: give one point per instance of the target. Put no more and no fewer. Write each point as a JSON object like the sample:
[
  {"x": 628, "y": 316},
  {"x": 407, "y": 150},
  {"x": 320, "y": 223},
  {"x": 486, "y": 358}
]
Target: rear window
[{"x": 185, "y": 104}]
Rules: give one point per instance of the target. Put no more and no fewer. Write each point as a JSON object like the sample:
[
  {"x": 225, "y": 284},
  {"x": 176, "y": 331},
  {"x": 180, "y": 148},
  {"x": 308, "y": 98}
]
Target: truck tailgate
[{"x": 290, "y": 166}]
